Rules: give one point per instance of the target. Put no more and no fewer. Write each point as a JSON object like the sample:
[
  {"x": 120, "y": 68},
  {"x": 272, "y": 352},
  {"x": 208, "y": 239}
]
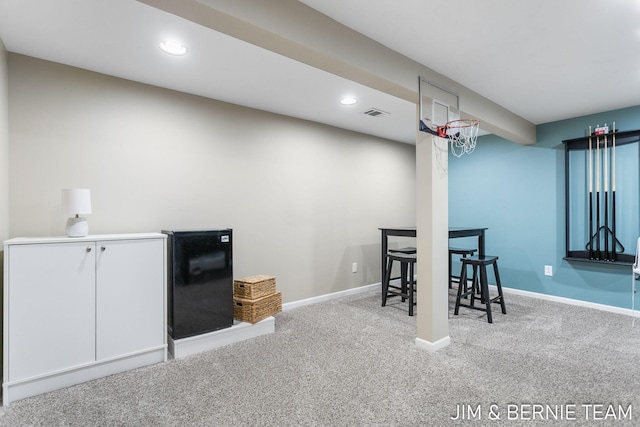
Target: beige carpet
[{"x": 350, "y": 362}]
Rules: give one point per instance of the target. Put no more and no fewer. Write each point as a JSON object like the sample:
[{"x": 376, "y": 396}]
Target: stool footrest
[
  {"x": 475, "y": 307},
  {"x": 495, "y": 300},
  {"x": 396, "y": 294},
  {"x": 391, "y": 294}
]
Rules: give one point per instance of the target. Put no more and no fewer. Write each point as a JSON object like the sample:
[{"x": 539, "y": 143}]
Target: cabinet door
[
  {"x": 51, "y": 307},
  {"x": 130, "y": 296}
]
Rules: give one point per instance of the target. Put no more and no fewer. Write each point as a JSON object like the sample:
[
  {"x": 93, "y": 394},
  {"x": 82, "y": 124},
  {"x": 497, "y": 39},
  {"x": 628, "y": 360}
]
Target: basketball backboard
[
  {"x": 438, "y": 105},
  {"x": 440, "y": 116}
]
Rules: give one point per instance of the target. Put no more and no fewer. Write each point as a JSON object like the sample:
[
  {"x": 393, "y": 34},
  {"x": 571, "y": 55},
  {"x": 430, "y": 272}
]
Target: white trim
[
  {"x": 506, "y": 290},
  {"x": 27, "y": 387},
  {"x": 570, "y": 301},
  {"x": 239, "y": 331},
  {"x": 327, "y": 297},
  {"x": 433, "y": 346}
]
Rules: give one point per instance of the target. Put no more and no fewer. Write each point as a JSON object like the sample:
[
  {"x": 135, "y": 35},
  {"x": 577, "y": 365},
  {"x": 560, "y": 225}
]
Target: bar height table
[{"x": 454, "y": 232}]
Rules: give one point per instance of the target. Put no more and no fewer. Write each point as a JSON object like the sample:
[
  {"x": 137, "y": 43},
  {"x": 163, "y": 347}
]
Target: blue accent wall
[{"x": 518, "y": 193}]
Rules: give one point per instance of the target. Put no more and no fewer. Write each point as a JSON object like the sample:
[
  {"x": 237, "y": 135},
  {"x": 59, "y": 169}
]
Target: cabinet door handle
[
  {"x": 103, "y": 248},
  {"x": 88, "y": 248}
]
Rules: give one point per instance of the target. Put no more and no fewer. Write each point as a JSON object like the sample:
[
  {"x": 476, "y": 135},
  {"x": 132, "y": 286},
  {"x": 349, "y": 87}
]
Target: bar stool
[
  {"x": 457, "y": 251},
  {"x": 479, "y": 263},
  {"x": 403, "y": 266},
  {"x": 407, "y": 281}
]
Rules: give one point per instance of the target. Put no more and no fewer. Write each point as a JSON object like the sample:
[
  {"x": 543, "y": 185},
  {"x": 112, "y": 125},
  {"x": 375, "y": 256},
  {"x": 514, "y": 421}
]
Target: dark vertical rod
[
  {"x": 567, "y": 210},
  {"x": 606, "y": 198},
  {"x": 613, "y": 192},
  {"x": 597, "y": 235},
  {"x": 590, "y": 199}
]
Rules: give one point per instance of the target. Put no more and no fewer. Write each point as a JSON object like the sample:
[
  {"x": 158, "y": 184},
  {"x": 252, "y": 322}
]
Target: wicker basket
[
  {"x": 254, "y": 287},
  {"x": 255, "y": 310}
]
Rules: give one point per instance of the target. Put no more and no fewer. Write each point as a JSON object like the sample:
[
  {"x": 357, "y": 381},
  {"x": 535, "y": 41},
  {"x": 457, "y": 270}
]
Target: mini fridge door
[{"x": 200, "y": 281}]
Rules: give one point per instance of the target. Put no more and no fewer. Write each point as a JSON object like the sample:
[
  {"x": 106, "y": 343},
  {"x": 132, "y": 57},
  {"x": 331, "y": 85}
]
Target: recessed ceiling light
[
  {"x": 172, "y": 47},
  {"x": 348, "y": 100}
]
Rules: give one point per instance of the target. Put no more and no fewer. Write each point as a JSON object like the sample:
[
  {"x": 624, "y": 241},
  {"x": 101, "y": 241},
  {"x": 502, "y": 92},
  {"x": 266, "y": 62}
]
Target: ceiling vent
[{"x": 374, "y": 112}]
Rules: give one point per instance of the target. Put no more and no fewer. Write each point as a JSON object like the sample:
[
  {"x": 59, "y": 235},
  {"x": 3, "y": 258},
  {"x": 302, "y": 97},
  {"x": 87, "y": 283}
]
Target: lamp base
[{"x": 77, "y": 227}]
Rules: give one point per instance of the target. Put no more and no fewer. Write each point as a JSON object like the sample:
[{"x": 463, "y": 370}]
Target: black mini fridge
[{"x": 200, "y": 281}]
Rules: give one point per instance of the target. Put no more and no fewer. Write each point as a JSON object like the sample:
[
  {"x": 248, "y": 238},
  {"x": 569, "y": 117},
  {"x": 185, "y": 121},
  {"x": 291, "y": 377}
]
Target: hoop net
[{"x": 462, "y": 134}]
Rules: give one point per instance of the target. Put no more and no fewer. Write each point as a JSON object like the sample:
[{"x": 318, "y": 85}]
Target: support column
[{"x": 432, "y": 214}]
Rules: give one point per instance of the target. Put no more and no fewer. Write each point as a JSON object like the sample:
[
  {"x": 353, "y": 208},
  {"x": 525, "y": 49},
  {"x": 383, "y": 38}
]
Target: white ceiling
[{"x": 544, "y": 60}]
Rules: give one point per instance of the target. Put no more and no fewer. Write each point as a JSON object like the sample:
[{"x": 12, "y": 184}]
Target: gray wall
[
  {"x": 4, "y": 146},
  {"x": 305, "y": 200},
  {"x": 4, "y": 166}
]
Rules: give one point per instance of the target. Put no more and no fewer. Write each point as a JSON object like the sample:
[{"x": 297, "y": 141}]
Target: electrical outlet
[
  {"x": 354, "y": 267},
  {"x": 548, "y": 270}
]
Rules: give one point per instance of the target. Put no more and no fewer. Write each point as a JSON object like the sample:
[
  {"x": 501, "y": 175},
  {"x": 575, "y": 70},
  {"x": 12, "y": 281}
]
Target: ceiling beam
[{"x": 294, "y": 30}]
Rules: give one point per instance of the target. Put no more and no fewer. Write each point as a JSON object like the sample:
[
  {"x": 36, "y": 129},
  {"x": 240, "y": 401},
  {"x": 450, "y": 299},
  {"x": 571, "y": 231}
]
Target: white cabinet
[
  {"x": 51, "y": 308},
  {"x": 76, "y": 309},
  {"x": 130, "y": 296}
]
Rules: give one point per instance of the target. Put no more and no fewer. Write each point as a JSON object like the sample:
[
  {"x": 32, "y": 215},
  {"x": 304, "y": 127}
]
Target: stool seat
[
  {"x": 481, "y": 259},
  {"x": 479, "y": 264},
  {"x": 464, "y": 252},
  {"x": 402, "y": 257},
  {"x": 407, "y": 250},
  {"x": 407, "y": 281}
]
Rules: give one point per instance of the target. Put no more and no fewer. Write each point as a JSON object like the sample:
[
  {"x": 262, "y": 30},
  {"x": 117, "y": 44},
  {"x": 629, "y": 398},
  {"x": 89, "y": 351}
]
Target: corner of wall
[
  {"x": 4, "y": 169},
  {"x": 4, "y": 143}
]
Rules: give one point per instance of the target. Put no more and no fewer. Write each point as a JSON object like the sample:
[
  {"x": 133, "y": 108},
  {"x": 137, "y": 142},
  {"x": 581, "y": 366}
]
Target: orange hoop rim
[
  {"x": 462, "y": 123},
  {"x": 443, "y": 131}
]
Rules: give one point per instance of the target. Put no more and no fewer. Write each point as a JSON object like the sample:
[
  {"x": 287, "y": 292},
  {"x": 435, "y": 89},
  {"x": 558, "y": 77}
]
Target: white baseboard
[
  {"x": 327, "y": 297},
  {"x": 32, "y": 386},
  {"x": 564, "y": 300},
  {"x": 433, "y": 346},
  {"x": 240, "y": 331},
  {"x": 506, "y": 290}
]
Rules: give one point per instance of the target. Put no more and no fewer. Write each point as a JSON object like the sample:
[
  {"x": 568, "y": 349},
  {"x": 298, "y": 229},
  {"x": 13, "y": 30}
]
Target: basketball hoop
[{"x": 462, "y": 133}]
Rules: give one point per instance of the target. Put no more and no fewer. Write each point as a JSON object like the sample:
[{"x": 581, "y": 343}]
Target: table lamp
[{"x": 76, "y": 202}]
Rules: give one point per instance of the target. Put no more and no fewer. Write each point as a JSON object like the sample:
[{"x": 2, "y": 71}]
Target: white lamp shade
[{"x": 76, "y": 201}]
